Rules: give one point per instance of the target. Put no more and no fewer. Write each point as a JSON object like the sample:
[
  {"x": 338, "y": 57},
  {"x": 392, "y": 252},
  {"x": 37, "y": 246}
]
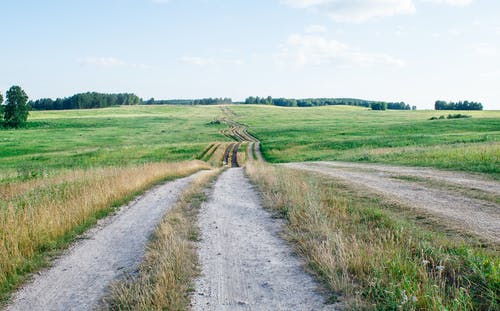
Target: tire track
[
  {"x": 239, "y": 132},
  {"x": 234, "y": 158},
  {"x": 78, "y": 279}
]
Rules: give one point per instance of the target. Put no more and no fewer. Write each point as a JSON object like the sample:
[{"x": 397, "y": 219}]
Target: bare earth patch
[
  {"x": 79, "y": 278},
  {"x": 454, "y": 209},
  {"x": 245, "y": 264}
]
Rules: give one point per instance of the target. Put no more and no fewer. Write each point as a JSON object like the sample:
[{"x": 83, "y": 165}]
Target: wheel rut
[{"x": 245, "y": 264}]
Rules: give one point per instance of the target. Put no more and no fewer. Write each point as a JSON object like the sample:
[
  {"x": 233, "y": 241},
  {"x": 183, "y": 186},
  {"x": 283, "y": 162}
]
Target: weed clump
[{"x": 451, "y": 116}]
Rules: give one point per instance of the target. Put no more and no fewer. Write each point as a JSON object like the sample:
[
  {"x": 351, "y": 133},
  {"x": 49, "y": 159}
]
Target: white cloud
[
  {"x": 485, "y": 49},
  {"x": 197, "y": 61},
  {"x": 451, "y": 2},
  {"x": 363, "y": 10},
  {"x": 206, "y": 61},
  {"x": 107, "y": 62},
  {"x": 302, "y": 50},
  {"x": 304, "y": 3},
  {"x": 356, "y": 10},
  {"x": 491, "y": 74},
  {"x": 315, "y": 29}
]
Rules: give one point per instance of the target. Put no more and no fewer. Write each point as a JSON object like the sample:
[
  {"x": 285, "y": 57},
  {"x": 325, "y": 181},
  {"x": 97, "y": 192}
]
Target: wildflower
[
  {"x": 439, "y": 268},
  {"x": 425, "y": 262},
  {"x": 414, "y": 299}
]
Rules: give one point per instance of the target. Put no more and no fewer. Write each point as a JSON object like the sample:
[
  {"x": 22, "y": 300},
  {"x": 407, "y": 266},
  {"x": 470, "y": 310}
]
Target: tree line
[
  {"x": 312, "y": 102},
  {"x": 202, "y": 101},
  {"x": 461, "y": 105},
  {"x": 14, "y": 113},
  {"x": 87, "y": 100}
]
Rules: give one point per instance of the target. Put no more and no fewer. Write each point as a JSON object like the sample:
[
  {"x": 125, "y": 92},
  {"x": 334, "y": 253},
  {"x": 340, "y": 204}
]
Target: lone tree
[{"x": 16, "y": 108}]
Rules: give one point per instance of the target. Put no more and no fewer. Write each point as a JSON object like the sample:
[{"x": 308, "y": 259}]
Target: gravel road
[
  {"x": 245, "y": 264},
  {"x": 472, "y": 181},
  {"x": 78, "y": 279},
  {"x": 455, "y": 210}
]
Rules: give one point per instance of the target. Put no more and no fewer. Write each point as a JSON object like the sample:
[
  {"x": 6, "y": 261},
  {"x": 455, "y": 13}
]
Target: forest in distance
[{"x": 92, "y": 100}]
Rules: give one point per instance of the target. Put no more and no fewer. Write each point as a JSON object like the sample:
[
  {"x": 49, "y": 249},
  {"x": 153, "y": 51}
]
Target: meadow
[
  {"x": 78, "y": 139},
  {"x": 346, "y": 133},
  {"x": 67, "y": 169}
]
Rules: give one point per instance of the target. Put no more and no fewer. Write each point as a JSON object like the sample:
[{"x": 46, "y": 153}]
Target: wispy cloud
[
  {"x": 207, "y": 61},
  {"x": 363, "y": 10},
  {"x": 356, "y": 11},
  {"x": 197, "y": 61},
  {"x": 302, "y": 50},
  {"x": 451, "y": 2},
  {"x": 315, "y": 29},
  {"x": 108, "y": 62},
  {"x": 485, "y": 49}
]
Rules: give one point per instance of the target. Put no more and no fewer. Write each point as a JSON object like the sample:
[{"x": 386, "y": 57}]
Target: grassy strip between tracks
[
  {"x": 370, "y": 257},
  {"x": 38, "y": 218},
  {"x": 165, "y": 278}
]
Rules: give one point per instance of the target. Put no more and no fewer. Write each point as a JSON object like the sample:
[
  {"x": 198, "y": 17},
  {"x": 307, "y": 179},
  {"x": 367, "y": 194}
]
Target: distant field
[
  {"x": 136, "y": 134},
  {"x": 359, "y": 134},
  {"x": 106, "y": 137}
]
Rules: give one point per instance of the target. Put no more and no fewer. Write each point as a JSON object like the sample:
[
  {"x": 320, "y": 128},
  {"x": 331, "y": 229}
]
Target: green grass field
[
  {"x": 136, "y": 134},
  {"x": 56, "y": 140},
  {"x": 359, "y": 134}
]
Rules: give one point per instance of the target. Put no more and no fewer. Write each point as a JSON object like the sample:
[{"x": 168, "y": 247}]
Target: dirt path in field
[
  {"x": 239, "y": 132},
  {"x": 245, "y": 265},
  {"x": 78, "y": 279},
  {"x": 456, "y": 210}
]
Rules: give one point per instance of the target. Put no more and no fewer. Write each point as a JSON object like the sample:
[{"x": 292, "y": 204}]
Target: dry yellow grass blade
[
  {"x": 43, "y": 215},
  {"x": 170, "y": 264}
]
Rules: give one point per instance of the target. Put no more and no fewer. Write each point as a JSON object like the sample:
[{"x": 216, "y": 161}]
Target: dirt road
[
  {"x": 456, "y": 210},
  {"x": 78, "y": 279},
  {"x": 245, "y": 265}
]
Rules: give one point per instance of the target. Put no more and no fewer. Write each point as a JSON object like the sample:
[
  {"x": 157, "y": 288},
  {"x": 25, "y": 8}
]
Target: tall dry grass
[
  {"x": 370, "y": 257},
  {"x": 42, "y": 215},
  {"x": 165, "y": 277}
]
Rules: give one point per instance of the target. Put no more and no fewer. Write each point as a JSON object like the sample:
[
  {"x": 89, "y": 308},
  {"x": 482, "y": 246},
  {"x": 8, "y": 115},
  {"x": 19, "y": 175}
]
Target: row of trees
[
  {"x": 461, "y": 105},
  {"x": 87, "y": 100},
  {"x": 311, "y": 102},
  {"x": 202, "y": 101},
  {"x": 14, "y": 113}
]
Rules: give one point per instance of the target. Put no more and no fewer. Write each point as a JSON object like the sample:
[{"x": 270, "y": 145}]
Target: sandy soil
[
  {"x": 455, "y": 210},
  {"x": 472, "y": 181},
  {"x": 245, "y": 265},
  {"x": 78, "y": 279}
]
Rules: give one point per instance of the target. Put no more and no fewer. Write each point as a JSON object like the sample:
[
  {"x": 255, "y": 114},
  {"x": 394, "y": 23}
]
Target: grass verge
[
  {"x": 39, "y": 218},
  {"x": 372, "y": 258},
  {"x": 165, "y": 278}
]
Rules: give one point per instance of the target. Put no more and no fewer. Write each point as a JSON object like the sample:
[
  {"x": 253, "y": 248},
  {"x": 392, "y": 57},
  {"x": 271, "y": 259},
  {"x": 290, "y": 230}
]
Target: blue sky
[{"x": 415, "y": 51}]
